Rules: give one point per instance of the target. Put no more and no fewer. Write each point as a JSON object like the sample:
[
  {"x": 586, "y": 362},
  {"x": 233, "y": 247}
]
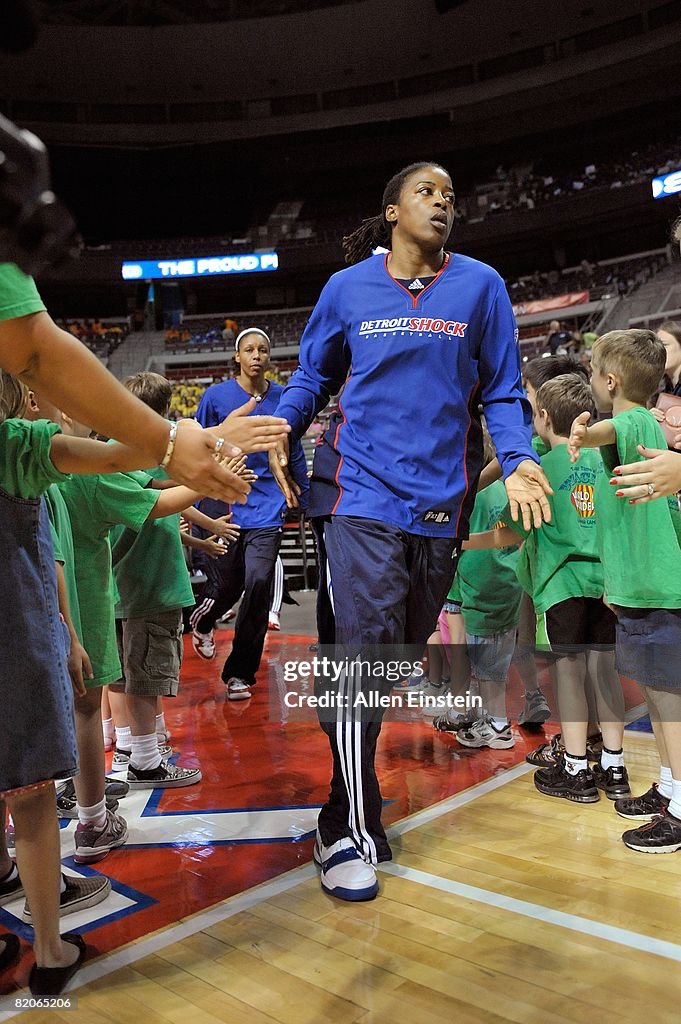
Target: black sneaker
[
  {"x": 613, "y": 781},
  {"x": 10, "y": 888},
  {"x": 166, "y": 776},
  {"x": 67, "y": 805},
  {"x": 114, "y": 788},
  {"x": 557, "y": 781},
  {"x": 661, "y": 835},
  {"x": 643, "y": 807},
  {"x": 548, "y": 754},
  {"x": 445, "y": 723}
]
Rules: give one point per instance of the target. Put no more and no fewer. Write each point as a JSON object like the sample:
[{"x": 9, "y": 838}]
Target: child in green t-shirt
[
  {"x": 536, "y": 710},
  {"x": 640, "y": 546},
  {"x": 152, "y": 584},
  {"x": 96, "y": 504},
  {"x": 560, "y": 568},
  {"x": 488, "y": 593}
]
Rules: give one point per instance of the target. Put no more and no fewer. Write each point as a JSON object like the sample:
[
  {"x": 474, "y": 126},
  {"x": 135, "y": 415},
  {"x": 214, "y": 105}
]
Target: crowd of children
[{"x": 602, "y": 576}]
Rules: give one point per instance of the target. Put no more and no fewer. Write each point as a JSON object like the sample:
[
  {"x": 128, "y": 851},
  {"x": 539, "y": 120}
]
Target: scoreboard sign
[{"x": 199, "y": 266}]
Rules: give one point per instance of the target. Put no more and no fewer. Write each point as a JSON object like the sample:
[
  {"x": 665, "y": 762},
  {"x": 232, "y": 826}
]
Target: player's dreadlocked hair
[{"x": 376, "y": 230}]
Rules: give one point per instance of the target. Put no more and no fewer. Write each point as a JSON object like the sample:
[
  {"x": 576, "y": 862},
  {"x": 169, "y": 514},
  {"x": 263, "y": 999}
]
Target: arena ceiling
[
  {"x": 173, "y": 12},
  {"x": 161, "y": 72}
]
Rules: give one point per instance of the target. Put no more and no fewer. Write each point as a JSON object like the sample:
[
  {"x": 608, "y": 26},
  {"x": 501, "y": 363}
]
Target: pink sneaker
[{"x": 93, "y": 844}]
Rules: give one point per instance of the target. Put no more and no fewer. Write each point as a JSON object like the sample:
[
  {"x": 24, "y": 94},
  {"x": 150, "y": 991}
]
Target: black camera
[{"x": 36, "y": 230}]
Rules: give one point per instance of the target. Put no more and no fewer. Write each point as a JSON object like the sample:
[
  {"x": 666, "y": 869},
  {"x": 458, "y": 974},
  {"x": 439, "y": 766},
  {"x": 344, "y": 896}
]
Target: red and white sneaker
[
  {"x": 238, "y": 689},
  {"x": 203, "y": 644},
  {"x": 273, "y": 622}
]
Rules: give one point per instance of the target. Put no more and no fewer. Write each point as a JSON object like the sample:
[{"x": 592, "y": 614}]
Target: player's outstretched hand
[
  {"x": 658, "y": 477},
  {"x": 252, "y": 433},
  {"x": 577, "y": 435},
  {"x": 527, "y": 489},
  {"x": 279, "y": 465}
]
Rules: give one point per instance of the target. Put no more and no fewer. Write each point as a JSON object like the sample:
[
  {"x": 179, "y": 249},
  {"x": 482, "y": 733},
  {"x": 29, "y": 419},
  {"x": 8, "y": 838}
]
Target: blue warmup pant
[{"x": 378, "y": 586}]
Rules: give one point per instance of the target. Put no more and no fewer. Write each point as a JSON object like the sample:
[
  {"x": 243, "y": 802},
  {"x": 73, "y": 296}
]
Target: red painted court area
[{"x": 265, "y": 774}]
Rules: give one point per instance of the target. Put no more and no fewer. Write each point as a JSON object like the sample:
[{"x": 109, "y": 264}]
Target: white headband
[{"x": 251, "y": 330}]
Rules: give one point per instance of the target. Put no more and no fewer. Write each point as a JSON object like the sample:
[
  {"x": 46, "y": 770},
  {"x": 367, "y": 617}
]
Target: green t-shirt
[
  {"x": 95, "y": 505},
  {"x": 26, "y": 467},
  {"x": 486, "y": 583},
  {"x": 540, "y": 446},
  {"x": 640, "y": 545},
  {"x": 62, "y": 541},
  {"x": 560, "y": 559},
  {"x": 18, "y": 293},
  {"x": 149, "y": 567}
]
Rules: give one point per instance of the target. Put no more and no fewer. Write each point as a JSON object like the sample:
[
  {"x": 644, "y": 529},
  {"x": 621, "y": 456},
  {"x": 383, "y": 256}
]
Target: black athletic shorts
[{"x": 579, "y": 624}]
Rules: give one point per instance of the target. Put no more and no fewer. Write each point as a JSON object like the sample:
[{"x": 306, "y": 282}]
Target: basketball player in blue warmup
[{"x": 420, "y": 337}]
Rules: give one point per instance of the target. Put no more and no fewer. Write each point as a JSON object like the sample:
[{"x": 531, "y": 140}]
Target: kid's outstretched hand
[{"x": 578, "y": 435}]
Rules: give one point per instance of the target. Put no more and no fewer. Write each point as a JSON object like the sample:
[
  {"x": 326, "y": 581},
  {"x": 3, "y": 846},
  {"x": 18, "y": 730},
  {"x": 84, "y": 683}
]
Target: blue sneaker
[{"x": 345, "y": 874}]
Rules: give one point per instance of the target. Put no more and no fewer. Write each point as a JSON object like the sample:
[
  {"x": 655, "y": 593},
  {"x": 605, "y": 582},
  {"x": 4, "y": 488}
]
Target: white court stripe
[
  {"x": 460, "y": 800},
  {"x": 244, "y": 901},
  {"x": 583, "y": 925},
  {"x": 206, "y": 919}
]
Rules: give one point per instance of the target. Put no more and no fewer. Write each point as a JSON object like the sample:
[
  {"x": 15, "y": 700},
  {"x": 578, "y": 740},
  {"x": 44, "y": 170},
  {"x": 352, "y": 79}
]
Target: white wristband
[{"x": 172, "y": 436}]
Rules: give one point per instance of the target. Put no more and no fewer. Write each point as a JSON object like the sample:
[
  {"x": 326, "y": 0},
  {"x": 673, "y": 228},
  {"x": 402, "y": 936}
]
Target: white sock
[
  {"x": 575, "y": 764},
  {"x": 499, "y": 723},
  {"x": 161, "y": 727},
  {"x": 665, "y": 786},
  {"x": 108, "y": 728},
  {"x": 612, "y": 759},
  {"x": 123, "y": 738},
  {"x": 675, "y": 804},
  {"x": 95, "y": 815},
  {"x": 145, "y": 753}
]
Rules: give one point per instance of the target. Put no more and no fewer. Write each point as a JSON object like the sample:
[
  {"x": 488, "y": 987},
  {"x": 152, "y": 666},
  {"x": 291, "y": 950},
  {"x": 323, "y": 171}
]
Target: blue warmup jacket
[
  {"x": 265, "y": 505},
  {"x": 406, "y": 444}
]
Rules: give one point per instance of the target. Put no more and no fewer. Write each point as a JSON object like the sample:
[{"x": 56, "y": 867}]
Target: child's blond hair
[
  {"x": 564, "y": 398},
  {"x": 637, "y": 357},
  {"x": 152, "y": 389},
  {"x": 13, "y": 397}
]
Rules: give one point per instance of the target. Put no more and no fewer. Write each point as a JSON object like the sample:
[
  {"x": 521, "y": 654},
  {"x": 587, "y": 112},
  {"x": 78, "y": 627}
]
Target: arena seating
[
  {"x": 283, "y": 326},
  {"x": 101, "y": 336}
]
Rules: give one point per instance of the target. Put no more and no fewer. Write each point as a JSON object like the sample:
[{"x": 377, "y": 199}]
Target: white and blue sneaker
[{"x": 345, "y": 874}]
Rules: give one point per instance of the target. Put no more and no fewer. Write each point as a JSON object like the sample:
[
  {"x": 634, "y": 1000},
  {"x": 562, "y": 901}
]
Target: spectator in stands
[
  {"x": 558, "y": 339},
  {"x": 670, "y": 336},
  {"x": 230, "y": 332}
]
